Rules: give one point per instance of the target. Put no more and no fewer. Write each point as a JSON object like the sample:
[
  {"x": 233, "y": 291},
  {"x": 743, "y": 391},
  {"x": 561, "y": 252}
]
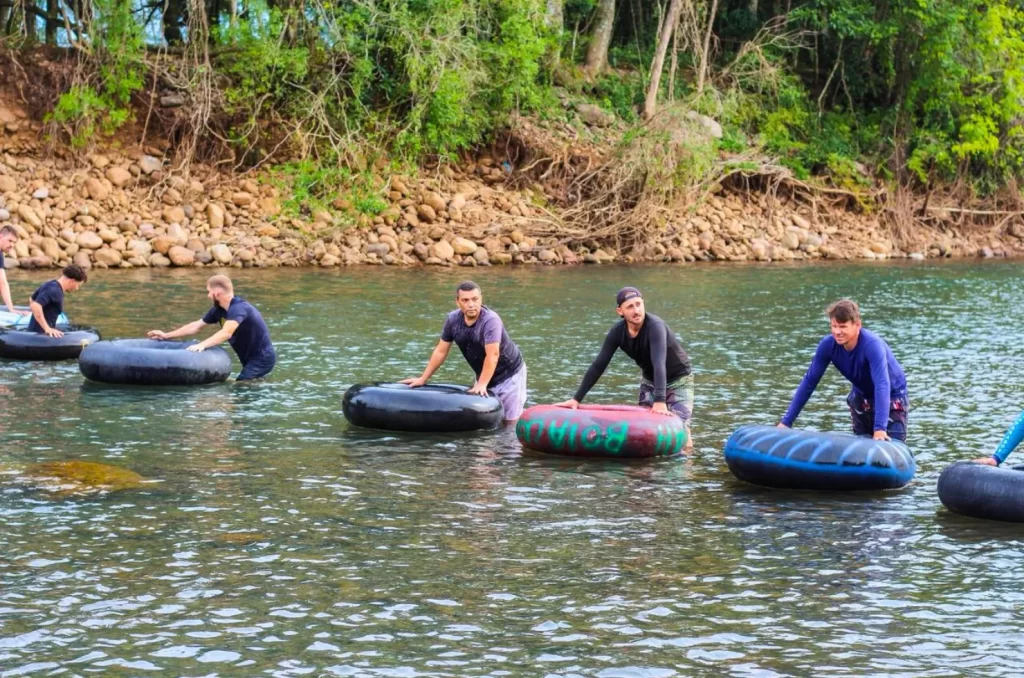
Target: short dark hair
[
  {"x": 466, "y": 286},
  {"x": 75, "y": 272},
  {"x": 843, "y": 311},
  {"x": 8, "y": 230}
]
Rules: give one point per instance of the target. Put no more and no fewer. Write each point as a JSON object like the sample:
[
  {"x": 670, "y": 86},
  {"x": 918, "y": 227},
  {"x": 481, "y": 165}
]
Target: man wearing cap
[
  {"x": 667, "y": 383},
  {"x": 486, "y": 346}
]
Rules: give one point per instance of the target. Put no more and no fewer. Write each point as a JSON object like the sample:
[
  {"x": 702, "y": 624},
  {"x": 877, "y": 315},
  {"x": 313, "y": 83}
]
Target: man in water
[
  {"x": 48, "y": 301},
  {"x": 8, "y": 236},
  {"x": 486, "y": 346},
  {"x": 878, "y": 400},
  {"x": 241, "y": 325},
  {"x": 666, "y": 385}
]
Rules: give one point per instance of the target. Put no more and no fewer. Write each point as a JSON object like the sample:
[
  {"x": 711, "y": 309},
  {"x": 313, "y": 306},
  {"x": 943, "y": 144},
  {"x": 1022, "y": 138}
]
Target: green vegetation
[{"x": 922, "y": 93}]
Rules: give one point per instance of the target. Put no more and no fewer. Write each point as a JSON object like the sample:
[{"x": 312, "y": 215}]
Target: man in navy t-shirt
[
  {"x": 48, "y": 301},
  {"x": 486, "y": 346},
  {"x": 878, "y": 400},
  {"x": 241, "y": 325}
]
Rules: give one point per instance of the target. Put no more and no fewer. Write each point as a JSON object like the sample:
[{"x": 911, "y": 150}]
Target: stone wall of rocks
[{"x": 127, "y": 210}]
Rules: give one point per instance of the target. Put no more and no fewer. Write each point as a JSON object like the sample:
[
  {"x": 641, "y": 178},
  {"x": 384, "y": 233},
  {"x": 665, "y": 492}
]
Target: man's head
[
  {"x": 73, "y": 278},
  {"x": 219, "y": 289},
  {"x": 629, "y": 304},
  {"x": 8, "y": 236},
  {"x": 844, "y": 319},
  {"x": 469, "y": 299}
]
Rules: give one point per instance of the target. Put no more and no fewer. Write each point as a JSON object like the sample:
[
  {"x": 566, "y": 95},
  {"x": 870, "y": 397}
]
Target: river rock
[
  {"x": 594, "y": 115},
  {"x": 29, "y": 216},
  {"x": 140, "y": 248},
  {"x": 108, "y": 235},
  {"x": 96, "y": 189},
  {"x": 89, "y": 240},
  {"x": 463, "y": 246},
  {"x": 435, "y": 201},
  {"x": 800, "y": 222},
  {"x": 547, "y": 256},
  {"x": 181, "y": 256},
  {"x": 215, "y": 215},
  {"x": 173, "y": 215},
  {"x": 148, "y": 164},
  {"x": 107, "y": 256},
  {"x": 378, "y": 248},
  {"x": 4, "y": 215},
  {"x": 51, "y": 248},
  {"x": 221, "y": 253},
  {"x": 157, "y": 260},
  {"x": 329, "y": 260},
  {"x": 41, "y": 193},
  {"x": 442, "y": 250},
  {"x": 241, "y": 198},
  {"x": 790, "y": 240},
  {"x": 163, "y": 243},
  {"x": 118, "y": 176},
  {"x": 269, "y": 230},
  {"x": 7, "y": 184},
  {"x": 426, "y": 213},
  {"x": 82, "y": 260}
]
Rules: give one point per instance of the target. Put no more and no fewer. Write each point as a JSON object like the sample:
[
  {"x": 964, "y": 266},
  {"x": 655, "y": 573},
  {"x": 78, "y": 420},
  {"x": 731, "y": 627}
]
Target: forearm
[
  {"x": 487, "y": 371},
  {"x": 658, "y": 352},
  {"x": 217, "y": 338},
  {"x": 1011, "y": 440},
  {"x": 185, "y": 330},
  {"x": 882, "y": 404},
  {"x": 37, "y": 313},
  {"x": 5, "y": 293},
  {"x": 437, "y": 359}
]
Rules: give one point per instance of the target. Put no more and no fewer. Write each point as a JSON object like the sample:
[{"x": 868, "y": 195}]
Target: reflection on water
[{"x": 276, "y": 540}]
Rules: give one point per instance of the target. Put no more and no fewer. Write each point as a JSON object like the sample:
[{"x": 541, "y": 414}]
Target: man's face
[
  {"x": 633, "y": 311},
  {"x": 469, "y": 303},
  {"x": 73, "y": 285},
  {"x": 7, "y": 241},
  {"x": 215, "y": 294},
  {"x": 846, "y": 332}
]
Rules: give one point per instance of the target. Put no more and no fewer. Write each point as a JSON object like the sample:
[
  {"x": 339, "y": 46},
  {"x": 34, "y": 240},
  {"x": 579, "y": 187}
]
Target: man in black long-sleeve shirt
[{"x": 667, "y": 383}]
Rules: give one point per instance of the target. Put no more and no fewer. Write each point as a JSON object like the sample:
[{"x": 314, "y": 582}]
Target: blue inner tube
[
  {"x": 807, "y": 460},
  {"x": 15, "y": 321},
  {"x": 24, "y": 345},
  {"x": 148, "y": 362},
  {"x": 980, "y": 491},
  {"x": 433, "y": 408}
]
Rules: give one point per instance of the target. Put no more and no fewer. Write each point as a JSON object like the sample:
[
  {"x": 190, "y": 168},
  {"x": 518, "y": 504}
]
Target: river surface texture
[{"x": 270, "y": 538}]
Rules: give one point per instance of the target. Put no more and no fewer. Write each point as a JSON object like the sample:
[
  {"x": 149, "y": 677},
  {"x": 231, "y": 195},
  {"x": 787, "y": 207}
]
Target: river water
[{"x": 270, "y": 538}]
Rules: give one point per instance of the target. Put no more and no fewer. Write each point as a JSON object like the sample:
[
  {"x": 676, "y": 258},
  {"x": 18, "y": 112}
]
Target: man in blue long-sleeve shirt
[{"x": 878, "y": 400}]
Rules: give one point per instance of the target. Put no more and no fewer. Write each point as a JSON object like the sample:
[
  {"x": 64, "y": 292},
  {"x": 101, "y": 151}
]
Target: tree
[
  {"x": 600, "y": 37},
  {"x": 669, "y": 25}
]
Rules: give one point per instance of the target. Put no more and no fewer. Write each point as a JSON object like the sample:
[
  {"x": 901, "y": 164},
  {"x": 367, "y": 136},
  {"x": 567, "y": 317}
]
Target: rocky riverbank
[{"x": 119, "y": 209}]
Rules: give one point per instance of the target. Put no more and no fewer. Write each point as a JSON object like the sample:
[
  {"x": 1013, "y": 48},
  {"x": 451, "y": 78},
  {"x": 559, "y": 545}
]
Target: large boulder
[
  {"x": 118, "y": 176},
  {"x": 88, "y": 240},
  {"x": 107, "y": 256},
  {"x": 221, "y": 253},
  {"x": 181, "y": 256},
  {"x": 163, "y": 243}
]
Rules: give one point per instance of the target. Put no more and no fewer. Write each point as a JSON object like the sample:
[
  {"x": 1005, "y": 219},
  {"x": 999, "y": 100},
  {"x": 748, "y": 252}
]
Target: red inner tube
[{"x": 622, "y": 431}]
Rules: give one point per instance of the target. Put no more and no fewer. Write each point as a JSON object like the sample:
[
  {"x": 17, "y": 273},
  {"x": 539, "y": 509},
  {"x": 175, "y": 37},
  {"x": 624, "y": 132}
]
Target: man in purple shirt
[
  {"x": 878, "y": 400},
  {"x": 486, "y": 346}
]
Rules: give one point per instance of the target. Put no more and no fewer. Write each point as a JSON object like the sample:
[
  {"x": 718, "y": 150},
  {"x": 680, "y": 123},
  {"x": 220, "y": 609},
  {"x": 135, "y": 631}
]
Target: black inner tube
[
  {"x": 153, "y": 363},
  {"x": 433, "y": 408},
  {"x": 25, "y": 345},
  {"x": 982, "y": 491}
]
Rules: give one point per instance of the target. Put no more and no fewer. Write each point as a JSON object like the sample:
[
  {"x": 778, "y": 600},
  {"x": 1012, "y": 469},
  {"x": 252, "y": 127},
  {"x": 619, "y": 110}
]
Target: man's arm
[
  {"x": 5, "y": 293},
  {"x": 37, "y": 313},
  {"x": 218, "y": 337},
  {"x": 493, "y": 351},
  {"x": 1009, "y": 442},
  {"x": 659, "y": 352},
  {"x": 437, "y": 358},
  {"x": 595, "y": 370},
  {"x": 880, "y": 376},
  {"x": 807, "y": 385},
  {"x": 183, "y": 331}
]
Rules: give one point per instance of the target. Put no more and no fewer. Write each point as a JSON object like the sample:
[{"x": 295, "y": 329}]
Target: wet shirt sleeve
[
  {"x": 492, "y": 329},
  {"x": 212, "y": 316},
  {"x": 238, "y": 313},
  {"x": 1011, "y": 440},
  {"x": 879, "y": 367},
  {"x": 658, "y": 339},
  {"x": 599, "y": 365},
  {"x": 44, "y": 296},
  {"x": 810, "y": 381},
  {"x": 448, "y": 330}
]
